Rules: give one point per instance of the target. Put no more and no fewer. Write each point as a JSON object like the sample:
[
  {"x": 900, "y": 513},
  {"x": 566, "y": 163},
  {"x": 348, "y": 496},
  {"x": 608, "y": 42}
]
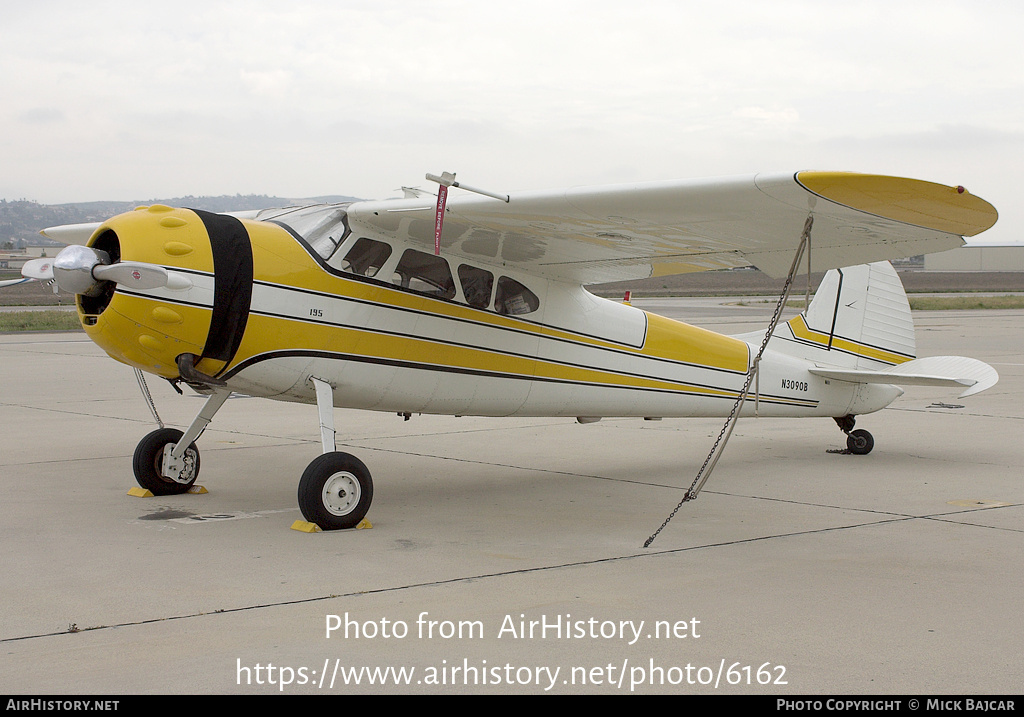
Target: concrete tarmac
[{"x": 506, "y": 554}]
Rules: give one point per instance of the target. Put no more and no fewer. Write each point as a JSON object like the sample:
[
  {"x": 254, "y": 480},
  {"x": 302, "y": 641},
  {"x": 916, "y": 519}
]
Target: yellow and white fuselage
[
  {"x": 265, "y": 313},
  {"x": 346, "y": 306}
]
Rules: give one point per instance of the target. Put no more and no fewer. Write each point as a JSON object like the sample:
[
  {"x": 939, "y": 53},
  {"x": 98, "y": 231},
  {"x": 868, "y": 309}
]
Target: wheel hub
[
  {"x": 341, "y": 493},
  {"x": 179, "y": 471}
]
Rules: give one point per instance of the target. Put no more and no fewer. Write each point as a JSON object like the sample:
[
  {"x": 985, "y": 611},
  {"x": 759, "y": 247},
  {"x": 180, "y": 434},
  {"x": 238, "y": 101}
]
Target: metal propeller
[
  {"x": 12, "y": 282},
  {"x": 82, "y": 270}
]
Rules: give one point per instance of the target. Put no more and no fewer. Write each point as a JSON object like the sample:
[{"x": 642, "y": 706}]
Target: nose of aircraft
[
  {"x": 144, "y": 286},
  {"x": 164, "y": 290}
]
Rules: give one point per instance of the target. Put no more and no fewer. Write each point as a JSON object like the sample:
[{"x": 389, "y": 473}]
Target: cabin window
[
  {"x": 476, "y": 286},
  {"x": 424, "y": 273},
  {"x": 513, "y": 298},
  {"x": 366, "y": 257}
]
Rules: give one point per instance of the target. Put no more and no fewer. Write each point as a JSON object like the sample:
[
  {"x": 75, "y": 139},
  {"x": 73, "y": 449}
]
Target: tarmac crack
[
  {"x": 75, "y": 629},
  {"x": 74, "y": 413}
]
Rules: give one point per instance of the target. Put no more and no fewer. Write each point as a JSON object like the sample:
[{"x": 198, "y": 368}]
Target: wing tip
[{"x": 953, "y": 210}]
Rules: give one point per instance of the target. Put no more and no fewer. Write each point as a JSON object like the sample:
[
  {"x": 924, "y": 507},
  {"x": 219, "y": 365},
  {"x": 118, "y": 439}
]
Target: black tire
[
  {"x": 148, "y": 458},
  {"x": 859, "y": 442},
  {"x": 335, "y": 491}
]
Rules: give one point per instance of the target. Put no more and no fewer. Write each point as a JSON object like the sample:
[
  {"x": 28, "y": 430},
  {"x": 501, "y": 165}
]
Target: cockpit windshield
[{"x": 323, "y": 226}]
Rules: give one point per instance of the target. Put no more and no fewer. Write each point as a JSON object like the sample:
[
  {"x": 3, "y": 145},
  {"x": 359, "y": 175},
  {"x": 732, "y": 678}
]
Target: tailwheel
[
  {"x": 859, "y": 442},
  {"x": 335, "y": 491},
  {"x": 149, "y": 459}
]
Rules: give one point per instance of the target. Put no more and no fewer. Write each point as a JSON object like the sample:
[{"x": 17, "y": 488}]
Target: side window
[
  {"x": 425, "y": 273},
  {"x": 513, "y": 298},
  {"x": 476, "y": 286},
  {"x": 366, "y": 257}
]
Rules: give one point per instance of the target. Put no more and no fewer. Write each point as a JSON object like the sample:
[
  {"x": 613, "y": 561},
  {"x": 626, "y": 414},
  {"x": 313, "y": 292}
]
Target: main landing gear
[
  {"x": 858, "y": 442},
  {"x": 335, "y": 490}
]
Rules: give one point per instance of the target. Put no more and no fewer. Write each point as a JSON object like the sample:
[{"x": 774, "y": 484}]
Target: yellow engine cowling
[{"x": 149, "y": 333}]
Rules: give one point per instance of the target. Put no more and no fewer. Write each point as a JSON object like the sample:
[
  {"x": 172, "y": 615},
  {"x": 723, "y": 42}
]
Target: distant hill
[{"x": 21, "y": 220}]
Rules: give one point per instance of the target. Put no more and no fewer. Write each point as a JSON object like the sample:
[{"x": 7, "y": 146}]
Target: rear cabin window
[
  {"x": 424, "y": 273},
  {"x": 476, "y": 286},
  {"x": 366, "y": 257},
  {"x": 513, "y": 298}
]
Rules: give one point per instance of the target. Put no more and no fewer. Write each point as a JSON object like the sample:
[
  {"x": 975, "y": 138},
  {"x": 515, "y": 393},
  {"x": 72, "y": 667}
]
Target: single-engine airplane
[{"x": 371, "y": 305}]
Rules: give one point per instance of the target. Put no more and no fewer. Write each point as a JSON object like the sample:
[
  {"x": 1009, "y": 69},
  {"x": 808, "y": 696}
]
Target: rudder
[{"x": 859, "y": 318}]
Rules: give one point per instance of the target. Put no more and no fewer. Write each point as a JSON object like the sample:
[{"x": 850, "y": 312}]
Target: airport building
[{"x": 978, "y": 257}]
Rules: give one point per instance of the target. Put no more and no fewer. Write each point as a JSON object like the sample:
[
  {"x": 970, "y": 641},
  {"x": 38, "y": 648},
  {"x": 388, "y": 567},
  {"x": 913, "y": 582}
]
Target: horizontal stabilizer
[{"x": 931, "y": 371}]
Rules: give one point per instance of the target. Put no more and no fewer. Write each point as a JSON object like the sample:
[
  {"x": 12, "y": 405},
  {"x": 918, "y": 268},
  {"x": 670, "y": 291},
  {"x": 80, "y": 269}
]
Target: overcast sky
[{"x": 135, "y": 100}]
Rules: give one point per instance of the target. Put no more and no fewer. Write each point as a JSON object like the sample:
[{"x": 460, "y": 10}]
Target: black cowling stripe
[{"x": 232, "y": 284}]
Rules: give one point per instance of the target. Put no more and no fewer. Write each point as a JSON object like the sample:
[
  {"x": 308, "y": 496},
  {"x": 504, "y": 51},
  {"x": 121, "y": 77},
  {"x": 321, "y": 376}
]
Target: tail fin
[
  {"x": 859, "y": 318},
  {"x": 858, "y": 328}
]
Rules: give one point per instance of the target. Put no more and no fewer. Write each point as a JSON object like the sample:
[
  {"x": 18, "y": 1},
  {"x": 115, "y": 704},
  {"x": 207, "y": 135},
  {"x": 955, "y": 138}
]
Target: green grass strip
[{"x": 18, "y": 321}]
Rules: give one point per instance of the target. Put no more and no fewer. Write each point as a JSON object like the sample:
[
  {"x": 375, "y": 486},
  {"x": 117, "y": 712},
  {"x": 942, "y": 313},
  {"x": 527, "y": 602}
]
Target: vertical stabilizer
[{"x": 859, "y": 318}]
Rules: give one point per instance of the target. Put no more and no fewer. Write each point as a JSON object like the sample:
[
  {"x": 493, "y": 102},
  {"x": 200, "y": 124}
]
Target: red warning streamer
[{"x": 442, "y": 199}]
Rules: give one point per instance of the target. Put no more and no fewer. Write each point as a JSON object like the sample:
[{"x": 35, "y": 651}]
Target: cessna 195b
[{"x": 369, "y": 305}]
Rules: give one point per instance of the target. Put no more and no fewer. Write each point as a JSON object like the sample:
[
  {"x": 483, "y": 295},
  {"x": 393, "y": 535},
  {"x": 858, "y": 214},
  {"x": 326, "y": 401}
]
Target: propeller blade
[
  {"x": 13, "y": 282},
  {"x": 41, "y": 269},
  {"x": 178, "y": 282},
  {"x": 72, "y": 233},
  {"x": 80, "y": 269},
  {"x": 133, "y": 274}
]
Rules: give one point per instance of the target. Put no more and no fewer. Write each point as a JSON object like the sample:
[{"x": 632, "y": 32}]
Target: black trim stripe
[
  {"x": 644, "y": 358},
  {"x": 835, "y": 311},
  {"x": 499, "y": 352},
  {"x": 232, "y": 284},
  {"x": 457, "y": 344},
  {"x": 729, "y": 394},
  {"x": 175, "y": 302},
  {"x": 823, "y": 347},
  {"x": 612, "y": 348}
]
